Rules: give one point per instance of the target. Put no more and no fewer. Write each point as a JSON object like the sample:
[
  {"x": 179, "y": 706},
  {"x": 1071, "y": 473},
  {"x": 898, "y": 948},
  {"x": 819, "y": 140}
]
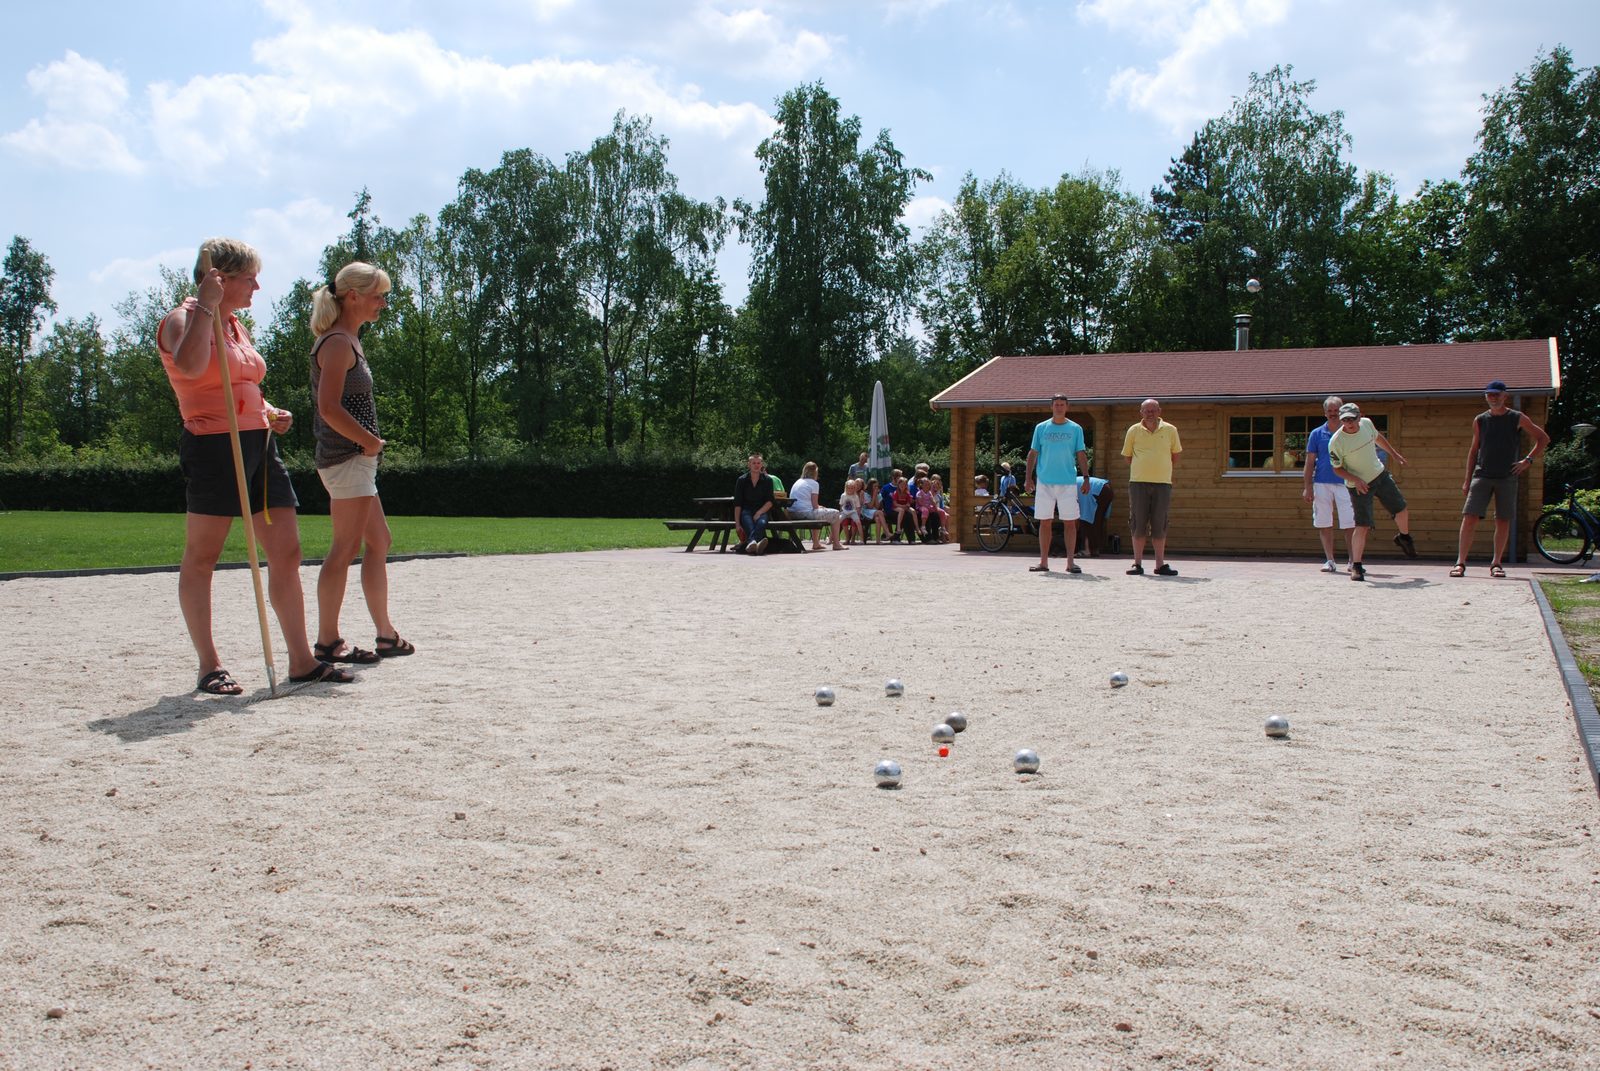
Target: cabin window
[{"x": 1262, "y": 445}]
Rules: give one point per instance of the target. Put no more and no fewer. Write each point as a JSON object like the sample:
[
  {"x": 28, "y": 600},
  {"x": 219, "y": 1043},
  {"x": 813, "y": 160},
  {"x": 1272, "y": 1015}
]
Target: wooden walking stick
[{"x": 221, "y": 343}]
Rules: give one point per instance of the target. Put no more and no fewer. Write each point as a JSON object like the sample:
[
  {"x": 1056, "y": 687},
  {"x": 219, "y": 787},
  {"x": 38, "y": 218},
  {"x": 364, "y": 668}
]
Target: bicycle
[
  {"x": 1566, "y": 534},
  {"x": 1004, "y": 515}
]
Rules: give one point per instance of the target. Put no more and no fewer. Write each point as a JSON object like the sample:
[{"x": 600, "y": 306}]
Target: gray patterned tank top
[{"x": 332, "y": 447}]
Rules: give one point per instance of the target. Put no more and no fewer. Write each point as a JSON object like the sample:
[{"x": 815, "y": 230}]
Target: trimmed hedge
[{"x": 510, "y": 487}]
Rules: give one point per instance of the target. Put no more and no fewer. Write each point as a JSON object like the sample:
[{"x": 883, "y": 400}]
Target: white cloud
[
  {"x": 85, "y": 105},
  {"x": 291, "y": 239},
  {"x": 752, "y": 43},
  {"x": 912, "y": 10},
  {"x": 1183, "y": 88},
  {"x": 138, "y": 273},
  {"x": 922, "y": 211}
]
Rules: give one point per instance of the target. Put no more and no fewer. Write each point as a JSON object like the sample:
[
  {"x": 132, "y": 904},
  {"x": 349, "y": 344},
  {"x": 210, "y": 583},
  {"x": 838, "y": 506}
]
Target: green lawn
[
  {"x": 1577, "y": 609},
  {"x": 37, "y": 541}
]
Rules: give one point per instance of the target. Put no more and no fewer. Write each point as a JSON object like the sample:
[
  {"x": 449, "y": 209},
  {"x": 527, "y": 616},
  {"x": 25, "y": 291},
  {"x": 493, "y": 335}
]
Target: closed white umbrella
[{"x": 880, "y": 460}]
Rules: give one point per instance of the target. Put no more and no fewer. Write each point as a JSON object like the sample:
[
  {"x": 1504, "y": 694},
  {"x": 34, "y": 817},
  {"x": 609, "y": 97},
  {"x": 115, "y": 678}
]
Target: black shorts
[{"x": 213, "y": 489}]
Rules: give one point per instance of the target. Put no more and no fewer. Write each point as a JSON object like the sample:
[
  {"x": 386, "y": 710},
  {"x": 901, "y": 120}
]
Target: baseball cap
[
  {"x": 1497, "y": 387},
  {"x": 1349, "y": 409}
]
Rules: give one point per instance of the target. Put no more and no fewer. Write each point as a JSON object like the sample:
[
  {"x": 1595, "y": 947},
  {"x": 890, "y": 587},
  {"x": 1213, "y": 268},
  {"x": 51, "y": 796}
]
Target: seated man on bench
[{"x": 752, "y": 506}]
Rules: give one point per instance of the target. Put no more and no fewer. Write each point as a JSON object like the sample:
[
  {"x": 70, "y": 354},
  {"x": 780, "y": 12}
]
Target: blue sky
[{"x": 130, "y": 132}]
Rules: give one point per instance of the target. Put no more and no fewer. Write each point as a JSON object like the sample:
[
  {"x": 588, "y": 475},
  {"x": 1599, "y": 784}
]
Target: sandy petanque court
[{"x": 599, "y": 822}]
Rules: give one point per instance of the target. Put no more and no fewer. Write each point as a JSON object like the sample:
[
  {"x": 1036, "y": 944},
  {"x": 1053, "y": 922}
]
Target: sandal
[
  {"x": 1459, "y": 570},
  {"x": 324, "y": 673},
  {"x": 1074, "y": 569},
  {"x": 219, "y": 682},
  {"x": 1497, "y": 571},
  {"x": 395, "y": 647},
  {"x": 352, "y": 655},
  {"x": 1038, "y": 568}
]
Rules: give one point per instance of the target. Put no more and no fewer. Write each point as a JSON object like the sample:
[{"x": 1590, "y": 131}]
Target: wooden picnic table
[{"x": 716, "y": 518}]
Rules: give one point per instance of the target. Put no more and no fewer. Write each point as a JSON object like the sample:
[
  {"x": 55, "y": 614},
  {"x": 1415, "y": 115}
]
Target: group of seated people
[{"x": 911, "y": 508}]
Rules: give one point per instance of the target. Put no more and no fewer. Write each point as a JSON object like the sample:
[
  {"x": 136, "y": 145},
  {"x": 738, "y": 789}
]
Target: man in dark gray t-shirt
[{"x": 1492, "y": 470}]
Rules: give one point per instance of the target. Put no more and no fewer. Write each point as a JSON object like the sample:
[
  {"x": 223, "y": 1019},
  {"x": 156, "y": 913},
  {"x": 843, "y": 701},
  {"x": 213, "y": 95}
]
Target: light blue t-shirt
[
  {"x": 1317, "y": 447},
  {"x": 1058, "y": 446},
  {"x": 1089, "y": 501}
]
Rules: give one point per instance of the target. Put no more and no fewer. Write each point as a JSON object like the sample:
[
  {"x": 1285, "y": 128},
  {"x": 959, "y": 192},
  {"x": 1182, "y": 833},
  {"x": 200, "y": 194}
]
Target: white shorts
[
  {"x": 1328, "y": 499},
  {"x": 1052, "y": 498},
  {"x": 356, "y": 478}
]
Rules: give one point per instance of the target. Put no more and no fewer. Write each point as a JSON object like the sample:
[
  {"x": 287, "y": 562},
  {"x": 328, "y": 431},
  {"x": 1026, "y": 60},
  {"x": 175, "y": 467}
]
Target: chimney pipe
[{"x": 1241, "y": 331}]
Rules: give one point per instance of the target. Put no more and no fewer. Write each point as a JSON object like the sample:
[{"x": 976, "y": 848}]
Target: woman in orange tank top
[{"x": 187, "y": 342}]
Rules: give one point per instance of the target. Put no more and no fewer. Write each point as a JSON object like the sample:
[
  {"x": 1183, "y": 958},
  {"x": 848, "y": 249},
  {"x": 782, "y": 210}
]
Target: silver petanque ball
[
  {"x": 887, "y": 773},
  {"x": 1026, "y": 761},
  {"x": 1119, "y": 679},
  {"x": 943, "y": 733},
  {"x": 1253, "y": 285},
  {"x": 893, "y": 688},
  {"x": 824, "y": 696},
  {"x": 957, "y": 721},
  {"x": 1277, "y": 727}
]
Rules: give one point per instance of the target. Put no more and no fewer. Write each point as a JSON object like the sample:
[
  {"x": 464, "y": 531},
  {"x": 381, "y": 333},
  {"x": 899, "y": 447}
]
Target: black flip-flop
[
  {"x": 219, "y": 682},
  {"x": 324, "y": 673},
  {"x": 1074, "y": 569},
  {"x": 353, "y": 656},
  {"x": 1166, "y": 570},
  {"x": 393, "y": 646}
]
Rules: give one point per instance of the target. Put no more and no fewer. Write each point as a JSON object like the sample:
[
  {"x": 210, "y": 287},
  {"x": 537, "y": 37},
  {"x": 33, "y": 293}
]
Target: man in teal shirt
[{"x": 1058, "y": 457}]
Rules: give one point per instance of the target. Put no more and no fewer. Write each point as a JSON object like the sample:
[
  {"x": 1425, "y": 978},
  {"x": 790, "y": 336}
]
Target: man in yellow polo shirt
[{"x": 1152, "y": 447}]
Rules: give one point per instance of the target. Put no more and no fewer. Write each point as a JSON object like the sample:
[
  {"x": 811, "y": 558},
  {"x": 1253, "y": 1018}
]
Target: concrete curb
[
  {"x": 1578, "y": 694},
  {"x": 136, "y": 570}
]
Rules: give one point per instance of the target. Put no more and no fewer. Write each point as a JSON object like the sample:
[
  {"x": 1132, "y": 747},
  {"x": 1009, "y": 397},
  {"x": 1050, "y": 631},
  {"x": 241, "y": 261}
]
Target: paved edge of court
[
  {"x": 137, "y": 570},
  {"x": 1578, "y": 694}
]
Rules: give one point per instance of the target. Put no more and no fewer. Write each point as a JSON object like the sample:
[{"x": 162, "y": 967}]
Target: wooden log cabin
[{"x": 1243, "y": 416}]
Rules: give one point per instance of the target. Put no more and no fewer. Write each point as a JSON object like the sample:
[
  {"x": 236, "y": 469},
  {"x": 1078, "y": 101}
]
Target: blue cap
[{"x": 1497, "y": 387}]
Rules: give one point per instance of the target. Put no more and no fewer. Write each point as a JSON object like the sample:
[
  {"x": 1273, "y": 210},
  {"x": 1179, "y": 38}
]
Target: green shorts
[{"x": 1385, "y": 490}]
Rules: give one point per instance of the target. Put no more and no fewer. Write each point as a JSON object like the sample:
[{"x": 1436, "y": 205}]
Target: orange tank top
[{"x": 200, "y": 398}]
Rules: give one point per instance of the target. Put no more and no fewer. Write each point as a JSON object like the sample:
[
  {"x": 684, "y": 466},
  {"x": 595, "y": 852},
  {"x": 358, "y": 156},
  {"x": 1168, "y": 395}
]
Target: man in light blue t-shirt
[
  {"x": 1057, "y": 458},
  {"x": 1329, "y": 497}
]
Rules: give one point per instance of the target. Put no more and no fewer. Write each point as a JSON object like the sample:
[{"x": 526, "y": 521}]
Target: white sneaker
[
  {"x": 752, "y": 547},
  {"x": 1330, "y": 566}
]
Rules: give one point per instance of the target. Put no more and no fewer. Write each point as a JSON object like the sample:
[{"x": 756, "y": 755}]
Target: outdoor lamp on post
[{"x": 1582, "y": 431}]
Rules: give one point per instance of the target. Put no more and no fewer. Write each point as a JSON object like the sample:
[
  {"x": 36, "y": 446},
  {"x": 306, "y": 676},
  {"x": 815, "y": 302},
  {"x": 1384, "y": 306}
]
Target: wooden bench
[
  {"x": 791, "y": 530},
  {"x": 721, "y": 532}
]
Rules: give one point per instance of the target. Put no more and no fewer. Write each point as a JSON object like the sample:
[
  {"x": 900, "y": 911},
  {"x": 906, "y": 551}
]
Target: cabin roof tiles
[{"x": 1528, "y": 366}]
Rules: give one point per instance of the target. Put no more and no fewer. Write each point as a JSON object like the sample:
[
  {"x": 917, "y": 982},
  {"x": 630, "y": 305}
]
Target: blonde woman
[
  {"x": 804, "y": 505},
  {"x": 186, "y": 340},
  {"x": 347, "y": 449}
]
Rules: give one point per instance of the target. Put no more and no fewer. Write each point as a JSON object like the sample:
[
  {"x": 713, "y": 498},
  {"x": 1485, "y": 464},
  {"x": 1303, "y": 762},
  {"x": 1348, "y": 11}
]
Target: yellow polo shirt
[{"x": 1151, "y": 452}]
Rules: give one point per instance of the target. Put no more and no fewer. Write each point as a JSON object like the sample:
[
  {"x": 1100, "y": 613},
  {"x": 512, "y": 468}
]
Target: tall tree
[
  {"x": 1533, "y": 220},
  {"x": 1266, "y": 191},
  {"x": 831, "y": 272},
  {"x": 24, "y": 301},
  {"x": 147, "y": 409},
  {"x": 77, "y": 392},
  {"x": 973, "y": 302},
  {"x": 638, "y": 238}
]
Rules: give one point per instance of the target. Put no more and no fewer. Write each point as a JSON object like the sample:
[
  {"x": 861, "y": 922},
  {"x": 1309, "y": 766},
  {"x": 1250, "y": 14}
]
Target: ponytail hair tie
[{"x": 333, "y": 288}]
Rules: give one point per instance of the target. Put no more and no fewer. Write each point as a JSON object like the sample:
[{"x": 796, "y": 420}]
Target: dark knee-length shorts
[{"x": 213, "y": 490}]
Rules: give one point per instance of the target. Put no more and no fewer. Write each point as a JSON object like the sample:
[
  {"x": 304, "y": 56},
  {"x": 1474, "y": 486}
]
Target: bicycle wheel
[
  {"x": 1560, "y": 536},
  {"x": 993, "y": 527}
]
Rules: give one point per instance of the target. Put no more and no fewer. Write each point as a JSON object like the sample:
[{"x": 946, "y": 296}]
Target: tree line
[{"x": 574, "y": 307}]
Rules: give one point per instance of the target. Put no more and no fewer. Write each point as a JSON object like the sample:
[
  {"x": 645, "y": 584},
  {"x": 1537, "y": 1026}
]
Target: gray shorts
[
  {"x": 1385, "y": 490},
  {"x": 1148, "y": 504},
  {"x": 1482, "y": 488}
]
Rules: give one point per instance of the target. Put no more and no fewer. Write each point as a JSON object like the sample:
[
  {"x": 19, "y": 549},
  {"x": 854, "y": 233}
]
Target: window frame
[{"x": 1384, "y": 421}]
